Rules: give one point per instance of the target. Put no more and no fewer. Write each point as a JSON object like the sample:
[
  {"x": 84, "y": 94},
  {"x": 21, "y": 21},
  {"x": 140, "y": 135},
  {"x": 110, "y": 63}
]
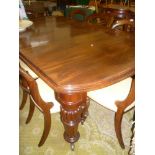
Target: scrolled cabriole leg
[
  {"x": 71, "y": 110},
  {"x": 118, "y": 122},
  {"x": 47, "y": 126},
  {"x": 31, "y": 111},
  {"x": 25, "y": 95}
]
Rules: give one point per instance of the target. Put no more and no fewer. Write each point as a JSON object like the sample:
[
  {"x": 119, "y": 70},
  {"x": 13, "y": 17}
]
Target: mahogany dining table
[{"x": 74, "y": 58}]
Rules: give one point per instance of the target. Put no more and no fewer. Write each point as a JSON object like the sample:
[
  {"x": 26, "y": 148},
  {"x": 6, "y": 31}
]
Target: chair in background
[
  {"x": 77, "y": 14},
  {"x": 41, "y": 96},
  {"x": 119, "y": 13},
  {"x": 108, "y": 96},
  {"x": 127, "y": 25},
  {"x": 36, "y": 10},
  {"x": 114, "y": 2},
  {"x": 25, "y": 89},
  {"x": 104, "y": 19},
  {"x": 110, "y": 16},
  {"x": 119, "y": 98},
  {"x": 119, "y": 10}
]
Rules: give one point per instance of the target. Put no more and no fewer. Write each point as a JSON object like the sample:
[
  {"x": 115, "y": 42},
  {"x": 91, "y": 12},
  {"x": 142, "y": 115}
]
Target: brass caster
[
  {"x": 72, "y": 146},
  {"x": 82, "y": 122}
]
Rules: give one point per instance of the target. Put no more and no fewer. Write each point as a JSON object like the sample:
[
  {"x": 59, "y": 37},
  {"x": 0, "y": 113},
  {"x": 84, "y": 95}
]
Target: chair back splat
[
  {"x": 34, "y": 92},
  {"x": 34, "y": 88}
]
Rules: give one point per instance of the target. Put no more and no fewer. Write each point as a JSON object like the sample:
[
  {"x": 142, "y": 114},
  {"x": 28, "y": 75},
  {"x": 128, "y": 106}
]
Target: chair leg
[
  {"x": 118, "y": 122},
  {"x": 122, "y": 105},
  {"x": 31, "y": 111},
  {"x": 132, "y": 141},
  {"x": 47, "y": 126},
  {"x": 25, "y": 94}
]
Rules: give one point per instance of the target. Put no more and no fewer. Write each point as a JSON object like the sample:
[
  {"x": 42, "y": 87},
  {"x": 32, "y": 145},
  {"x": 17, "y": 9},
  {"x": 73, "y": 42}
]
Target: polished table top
[{"x": 75, "y": 56}]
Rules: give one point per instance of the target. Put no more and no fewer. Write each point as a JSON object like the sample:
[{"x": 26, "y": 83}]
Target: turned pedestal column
[{"x": 74, "y": 109}]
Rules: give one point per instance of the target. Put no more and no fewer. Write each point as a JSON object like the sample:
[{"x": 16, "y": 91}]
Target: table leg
[{"x": 71, "y": 112}]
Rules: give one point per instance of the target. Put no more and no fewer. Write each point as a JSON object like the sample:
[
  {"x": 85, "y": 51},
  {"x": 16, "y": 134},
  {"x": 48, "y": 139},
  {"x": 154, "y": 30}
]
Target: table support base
[{"x": 73, "y": 111}]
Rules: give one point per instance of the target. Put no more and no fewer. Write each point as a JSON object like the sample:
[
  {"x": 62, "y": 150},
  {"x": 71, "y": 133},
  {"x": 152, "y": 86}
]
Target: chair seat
[
  {"x": 108, "y": 95},
  {"x": 47, "y": 94},
  {"x": 25, "y": 67}
]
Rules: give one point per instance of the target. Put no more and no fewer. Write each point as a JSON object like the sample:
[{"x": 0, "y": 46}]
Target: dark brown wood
[
  {"x": 24, "y": 86},
  {"x": 26, "y": 93},
  {"x": 31, "y": 111},
  {"x": 121, "y": 106},
  {"x": 24, "y": 99},
  {"x": 116, "y": 6},
  {"x": 75, "y": 58},
  {"x": 70, "y": 53},
  {"x": 71, "y": 111},
  {"x": 35, "y": 10},
  {"x": 41, "y": 104},
  {"x": 47, "y": 126},
  {"x": 104, "y": 19},
  {"x": 118, "y": 11},
  {"x": 127, "y": 25},
  {"x": 110, "y": 17}
]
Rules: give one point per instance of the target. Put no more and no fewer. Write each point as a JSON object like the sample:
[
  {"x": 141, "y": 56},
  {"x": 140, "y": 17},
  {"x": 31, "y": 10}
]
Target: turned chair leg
[
  {"x": 31, "y": 111},
  {"x": 47, "y": 126},
  {"x": 25, "y": 94},
  {"x": 118, "y": 122}
]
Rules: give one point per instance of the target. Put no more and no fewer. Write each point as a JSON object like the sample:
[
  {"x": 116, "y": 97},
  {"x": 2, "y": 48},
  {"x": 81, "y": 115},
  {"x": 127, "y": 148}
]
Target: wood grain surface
[{"x": 77, "y": 57}]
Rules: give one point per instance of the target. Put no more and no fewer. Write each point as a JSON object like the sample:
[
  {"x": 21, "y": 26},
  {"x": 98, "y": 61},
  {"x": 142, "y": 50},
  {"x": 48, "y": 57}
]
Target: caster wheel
[{"x": 72, "y": 146}]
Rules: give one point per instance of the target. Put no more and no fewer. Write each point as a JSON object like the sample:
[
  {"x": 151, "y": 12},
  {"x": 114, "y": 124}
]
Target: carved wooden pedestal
[{"x": 74, "y": 108}]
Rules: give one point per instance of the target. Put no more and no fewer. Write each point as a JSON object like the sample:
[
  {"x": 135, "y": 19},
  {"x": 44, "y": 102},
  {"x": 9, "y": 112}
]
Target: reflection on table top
[{"x": 73, "y": 56}]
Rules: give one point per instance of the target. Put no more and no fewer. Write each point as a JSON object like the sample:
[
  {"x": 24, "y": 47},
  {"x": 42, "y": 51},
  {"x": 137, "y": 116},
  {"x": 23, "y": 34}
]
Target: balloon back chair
[
  {"x": 111, "y": 17},
  {"x": 127, "y": 25},
  {"x": 119, "y": 98},
  {"x": 41, "y": 96},
  {"x": 35, "y": 10},
  {"x": 104, "y": 19}
]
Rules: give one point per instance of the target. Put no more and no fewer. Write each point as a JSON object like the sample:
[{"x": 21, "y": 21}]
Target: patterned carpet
[{"x": 97, "y": 136}]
